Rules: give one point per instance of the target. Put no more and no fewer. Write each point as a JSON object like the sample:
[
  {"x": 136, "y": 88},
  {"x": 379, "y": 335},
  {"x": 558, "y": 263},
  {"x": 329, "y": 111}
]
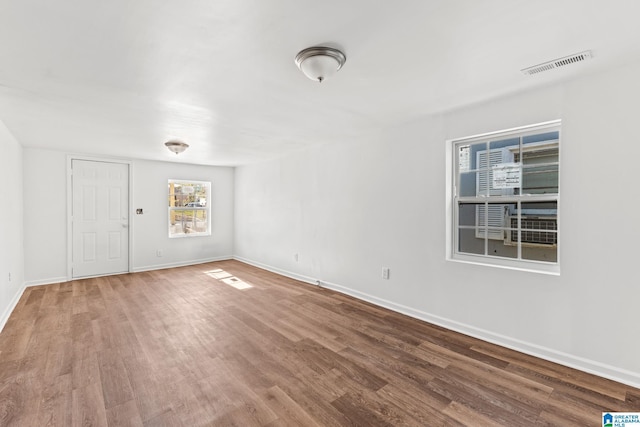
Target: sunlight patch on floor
[{"x": 228, "y": 279}]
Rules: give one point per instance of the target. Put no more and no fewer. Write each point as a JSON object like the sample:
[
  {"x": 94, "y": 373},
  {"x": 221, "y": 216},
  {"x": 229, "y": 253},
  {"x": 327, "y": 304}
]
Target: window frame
[
  {"x": 453, "y": 199},
  {"x": 173, "y": 209}
]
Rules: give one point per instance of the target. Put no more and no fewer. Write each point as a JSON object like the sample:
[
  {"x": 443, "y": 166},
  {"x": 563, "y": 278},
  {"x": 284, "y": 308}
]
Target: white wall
[
  {"x": 45, "y": 237},
  {"x": 150, "y": 180},
  {"x": 353, "y": 207},
  {"x": 11, "y": 223},
  {"x": 45, "y": 216}
]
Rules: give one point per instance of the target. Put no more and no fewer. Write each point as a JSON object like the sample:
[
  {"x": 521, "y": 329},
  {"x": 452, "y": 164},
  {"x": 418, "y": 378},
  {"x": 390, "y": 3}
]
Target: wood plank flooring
[{"x": 227, "y": 344}]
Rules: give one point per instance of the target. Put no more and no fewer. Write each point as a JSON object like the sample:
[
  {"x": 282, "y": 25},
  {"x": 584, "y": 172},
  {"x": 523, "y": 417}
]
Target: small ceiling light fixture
[
  {"x": 176, "y": 146},
  {"x": 319, "y": 62}
]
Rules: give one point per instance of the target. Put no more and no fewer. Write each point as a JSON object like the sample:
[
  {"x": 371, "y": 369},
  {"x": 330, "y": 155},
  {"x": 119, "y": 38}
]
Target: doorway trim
[{"x": 70, "y": 159}]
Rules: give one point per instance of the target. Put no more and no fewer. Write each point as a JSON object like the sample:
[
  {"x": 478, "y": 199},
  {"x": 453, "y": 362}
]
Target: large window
[
  {"x": 189, "y": 208},
  {"x": 505, "y": 192}
]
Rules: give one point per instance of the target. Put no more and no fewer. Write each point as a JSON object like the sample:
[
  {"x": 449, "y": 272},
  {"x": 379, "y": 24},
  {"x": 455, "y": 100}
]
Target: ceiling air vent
[{"x": 557, "y": 63}]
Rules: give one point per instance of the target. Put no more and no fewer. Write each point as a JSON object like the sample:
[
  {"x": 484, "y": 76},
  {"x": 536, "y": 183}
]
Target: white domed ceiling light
[
  {"x": 319, "y": 62},
  {"x": 176, "y": 146}
]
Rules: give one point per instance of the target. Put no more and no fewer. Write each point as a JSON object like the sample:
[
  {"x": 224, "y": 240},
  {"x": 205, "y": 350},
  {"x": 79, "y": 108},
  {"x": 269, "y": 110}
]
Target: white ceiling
[{"x": 121, "y": 77}]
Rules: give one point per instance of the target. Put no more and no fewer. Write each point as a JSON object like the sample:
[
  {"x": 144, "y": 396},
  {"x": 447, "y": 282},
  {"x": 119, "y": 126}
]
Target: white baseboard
[
  {"x": 286, "y": 273},
  {"x": 48, "y": 281},
  {"x": 12, "y": 305},
  {"x": 179, "y": 264},
  {"x": 63, "y": 279},
  {"x": 572, "y": 361}
]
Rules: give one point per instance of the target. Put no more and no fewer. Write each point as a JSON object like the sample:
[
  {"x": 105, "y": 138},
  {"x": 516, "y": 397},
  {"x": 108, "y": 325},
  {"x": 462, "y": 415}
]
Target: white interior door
[{"x": 100, "y": 218}]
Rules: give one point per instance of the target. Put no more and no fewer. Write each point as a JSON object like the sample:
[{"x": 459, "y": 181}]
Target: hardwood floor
[{"x": 227, "y": 344}]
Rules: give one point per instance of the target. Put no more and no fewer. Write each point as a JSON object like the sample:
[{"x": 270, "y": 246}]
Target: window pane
[
  {"x": 540, "y": 156},
  {"x": 510, "y": 144},
  {"x": 469, "y": 243},
  {"x": 533, "y": 253},
  {"x": 470, "y": 233},
  {"x": 544, "y": 137},
  {"x": 538, "y": 231},
  {"x": 499, "y": 155},
  {"x": 467, "y": 185},
  {"x": 539, "y": 179},
  {"x": 499, "y": 247},
  {"x": 485, "y": 222},
  {"x": 498, "y": 221},
  {"x": 540, "y": 209},
  {"x": 464, "y": 158},
  {"x": 467, "y": 215},
  {"x": 188, "y": 194},
  {"x": 484, "y": 160},
  {"x": 186, "y": 221},
  {"x": 511, "y": 166},
  {"x": 188, "y": 208},
  {"x": 505, "y": 174},
  {"x": 494, "y": 217}
]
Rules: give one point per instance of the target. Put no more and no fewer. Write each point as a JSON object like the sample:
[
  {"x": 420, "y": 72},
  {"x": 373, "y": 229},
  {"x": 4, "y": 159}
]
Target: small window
[
  {"x": 504, "y": 198},
  {"x": 189, "y": 208}
]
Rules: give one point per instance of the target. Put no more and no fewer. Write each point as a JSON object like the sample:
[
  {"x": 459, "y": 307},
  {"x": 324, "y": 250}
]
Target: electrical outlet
[
  {"x": 295, "y": 257},
  {"x": 9, "y": 276},
  {"x": 385, "y": 272},
  {"x": 159, "y": 253}
]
